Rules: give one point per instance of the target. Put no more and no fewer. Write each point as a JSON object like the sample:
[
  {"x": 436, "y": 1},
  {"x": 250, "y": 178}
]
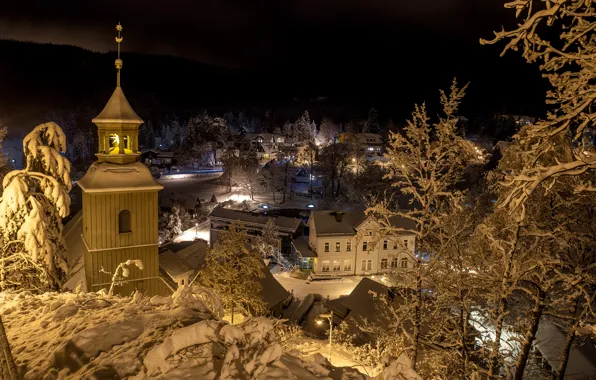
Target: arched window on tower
[{"x": 124, "y": 222}]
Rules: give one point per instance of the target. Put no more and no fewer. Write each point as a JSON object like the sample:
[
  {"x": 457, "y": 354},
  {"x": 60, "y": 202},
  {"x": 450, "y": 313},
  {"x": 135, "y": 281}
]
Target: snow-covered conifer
[
  {"x": 33, "y": 204},
  {"x": 233, "y": 270}
]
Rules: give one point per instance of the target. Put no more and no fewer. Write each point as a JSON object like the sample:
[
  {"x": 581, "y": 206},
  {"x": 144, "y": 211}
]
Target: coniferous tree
[
  {"x": 233, "y": 270},
  {"x": 34, "y": 201}
]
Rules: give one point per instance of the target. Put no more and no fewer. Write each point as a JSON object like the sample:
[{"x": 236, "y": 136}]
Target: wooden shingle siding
[
  {"x": 106, "y": 248},
  {"x": 100, "y": 219}
]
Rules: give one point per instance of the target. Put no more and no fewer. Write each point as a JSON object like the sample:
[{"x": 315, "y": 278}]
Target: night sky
[{"x": 366, "y": 48}]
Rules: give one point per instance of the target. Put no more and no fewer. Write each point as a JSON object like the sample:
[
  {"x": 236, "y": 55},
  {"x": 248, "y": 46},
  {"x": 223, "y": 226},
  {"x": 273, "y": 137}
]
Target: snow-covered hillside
[{"x": 87, "y": 335}]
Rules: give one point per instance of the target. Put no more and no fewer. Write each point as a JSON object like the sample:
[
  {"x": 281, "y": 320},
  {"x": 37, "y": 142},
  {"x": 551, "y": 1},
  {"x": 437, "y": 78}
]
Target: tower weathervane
[{"x": 119, "y": 39}]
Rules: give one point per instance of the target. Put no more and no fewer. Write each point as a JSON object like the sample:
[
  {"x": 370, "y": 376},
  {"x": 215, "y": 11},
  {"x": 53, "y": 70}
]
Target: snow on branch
[{"x": 32, "y": 206}]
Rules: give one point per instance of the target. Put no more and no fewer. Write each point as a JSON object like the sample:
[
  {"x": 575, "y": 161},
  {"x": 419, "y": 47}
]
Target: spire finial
[{"x": 119, "y": 39}]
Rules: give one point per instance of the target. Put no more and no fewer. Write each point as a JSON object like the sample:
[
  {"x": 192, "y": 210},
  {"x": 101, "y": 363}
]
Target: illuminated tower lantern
[{"x": 120, "y": 205}]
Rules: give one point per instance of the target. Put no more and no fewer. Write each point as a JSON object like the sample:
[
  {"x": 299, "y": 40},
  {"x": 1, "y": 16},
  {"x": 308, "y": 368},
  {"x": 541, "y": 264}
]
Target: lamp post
[
  {"x": 196, "y": 230},
  {"x": 330, "y": 319}
]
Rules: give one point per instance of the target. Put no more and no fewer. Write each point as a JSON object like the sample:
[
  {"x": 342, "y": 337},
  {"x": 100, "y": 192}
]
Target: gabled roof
[
  {"x": 173, "y": 264},
  {"x": 330, "y": 223},
  {"x": 281, "y": 222},
  {"x": 117, "y": 110},
  {"x": 302, "y": 248}
]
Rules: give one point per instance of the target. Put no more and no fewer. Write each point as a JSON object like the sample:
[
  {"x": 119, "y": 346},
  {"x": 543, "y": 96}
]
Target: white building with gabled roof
[{"x": 350, "y": 243}]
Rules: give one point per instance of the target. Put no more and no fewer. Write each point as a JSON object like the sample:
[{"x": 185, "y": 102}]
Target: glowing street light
[
  {"x": 330, "y": 319},
  {"x": 310, "y": 205}
]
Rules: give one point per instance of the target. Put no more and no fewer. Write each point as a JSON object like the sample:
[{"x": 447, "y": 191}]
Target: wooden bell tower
[{"x": 120, "y": 203}]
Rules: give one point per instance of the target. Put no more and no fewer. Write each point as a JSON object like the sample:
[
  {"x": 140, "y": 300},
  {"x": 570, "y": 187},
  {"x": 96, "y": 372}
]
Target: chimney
[{"x": 338, "y": 216}]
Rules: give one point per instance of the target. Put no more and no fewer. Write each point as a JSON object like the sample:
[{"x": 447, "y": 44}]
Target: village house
[
  {"x": 349, "y": 243},
  {"x": 369, "y": 144},
  {"x": 253, "y": 223}
]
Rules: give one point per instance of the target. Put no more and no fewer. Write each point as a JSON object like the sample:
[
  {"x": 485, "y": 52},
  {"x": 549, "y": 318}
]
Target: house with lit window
[
  {"x": 351, "y": 243},
  {"x": 369, "y": 144}
]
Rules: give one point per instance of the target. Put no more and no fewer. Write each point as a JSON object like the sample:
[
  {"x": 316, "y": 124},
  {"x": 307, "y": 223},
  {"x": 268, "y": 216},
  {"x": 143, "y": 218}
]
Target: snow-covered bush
[
  {"x": 199, "y": 298},
  {"x": 34, "y": 201}
]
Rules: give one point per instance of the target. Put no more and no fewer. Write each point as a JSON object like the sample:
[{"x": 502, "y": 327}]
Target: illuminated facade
[{"x": 120, "y": 204}]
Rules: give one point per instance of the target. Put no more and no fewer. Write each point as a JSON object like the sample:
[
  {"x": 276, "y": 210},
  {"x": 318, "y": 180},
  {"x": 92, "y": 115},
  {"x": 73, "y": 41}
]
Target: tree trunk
[
  {"x": 463, "y": 327},
  {"x": 568, "y": 343},
  {"x": 502, "y": 308},
  {"x": 522, "y": 359},
  {"x": 417, "y": 315},
  {"x": 8, "y": 368}
]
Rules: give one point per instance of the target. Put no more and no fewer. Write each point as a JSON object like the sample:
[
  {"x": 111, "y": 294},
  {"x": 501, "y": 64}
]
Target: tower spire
[{"x": 119, "y": 39}]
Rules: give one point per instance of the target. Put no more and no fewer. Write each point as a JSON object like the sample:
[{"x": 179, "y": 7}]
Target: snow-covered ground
[
  {"x": 91, "y": 336},
  {"x": 332, "y": 288},
  {"x": 201, "y": 231}
]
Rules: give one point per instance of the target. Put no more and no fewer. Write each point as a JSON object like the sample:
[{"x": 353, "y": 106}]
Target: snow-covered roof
[
  {"x": 109, "y": 177},
  {"x": 550, "y": 340},
  {"x": 173, "y": 265},
  {"x": 301, "y": 246},
  {"x": 346, "y": 222},
  {"x": 281, "y": 222},
  {"x": 117, "y": 110},
  {"x": 273, "y": 292}
]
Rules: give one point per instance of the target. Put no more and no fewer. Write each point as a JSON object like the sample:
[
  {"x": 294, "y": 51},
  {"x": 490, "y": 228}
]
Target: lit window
[
  {"x": 325, "y": 266},
  {"x": 336, "y": 265},
  {"x": 383, "y": 263},
  {"x": 404, "y": 263},
  {"x": 349, "y": 246},
  {"x": 369, "y": 265},
  {"x": 337, "y": 246},
  {"x": 394, "y": 262},
  {"x": 326, "y": 247},
  {"x": 347, "y": 265},
  {"x": 364, "y": 246},
  {"x": 124, "y": 222},
  {"x": 385, "y": 245}
]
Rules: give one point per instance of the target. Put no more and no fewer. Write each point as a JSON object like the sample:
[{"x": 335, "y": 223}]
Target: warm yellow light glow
[{"x": 319, "y": 322}]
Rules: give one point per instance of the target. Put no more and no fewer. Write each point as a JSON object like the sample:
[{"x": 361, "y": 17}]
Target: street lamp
[{"x": 330, "y": 319}]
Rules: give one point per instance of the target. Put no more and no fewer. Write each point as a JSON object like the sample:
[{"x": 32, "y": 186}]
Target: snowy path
[
  {"x": 332, "y": 288},
  {"x": 198, "y": 232}
]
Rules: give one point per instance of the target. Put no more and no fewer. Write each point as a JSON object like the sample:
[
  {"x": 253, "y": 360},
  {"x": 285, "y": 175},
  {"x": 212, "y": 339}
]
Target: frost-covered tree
[
  {"x": 34, "y": 201},
  {"x": 233, "y": 270},
  {"x": 335, "y": 160},
  {"x": 424, "y": 165},
  {"x": 328, "y": 131},
  {"x": 267, "y": 244},
  {"x": 304, "y": 132},
  {"x": 170, "y": 224},
  {"x": 558, "y": 34},
  {"x": 372, "y": 122},
  {"x": 535, "y": 268}
]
